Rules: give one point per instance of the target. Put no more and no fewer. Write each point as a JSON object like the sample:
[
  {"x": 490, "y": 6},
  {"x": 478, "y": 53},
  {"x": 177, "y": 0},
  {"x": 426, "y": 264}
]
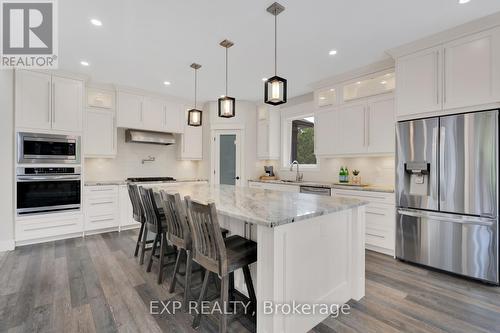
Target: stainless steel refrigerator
[{"x": 447, "y": 193}]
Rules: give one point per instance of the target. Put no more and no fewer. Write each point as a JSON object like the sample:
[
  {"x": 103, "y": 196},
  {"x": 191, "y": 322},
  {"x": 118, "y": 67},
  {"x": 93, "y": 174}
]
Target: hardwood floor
[{"x": 96, "y": 285}]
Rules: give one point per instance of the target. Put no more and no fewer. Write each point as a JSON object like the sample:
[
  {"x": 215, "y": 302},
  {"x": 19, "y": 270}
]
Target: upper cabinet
[
  {"x": 268, "y": 133},
  {"x": 419, "y": 82},
  {"x": 325, "y": 97},
  {"x": 190, "y": 143},
  {"x": 48, "y": 102},
  {"x": 364, "y": 128},
  {"x": 149, "y": 113},
  {"x": 100, "y": 130},
  {"x": 461, "y": 74}
]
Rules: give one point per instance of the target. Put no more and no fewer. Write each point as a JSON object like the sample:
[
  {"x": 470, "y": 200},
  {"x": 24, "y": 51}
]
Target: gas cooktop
[{"x": 150, "y": 179}]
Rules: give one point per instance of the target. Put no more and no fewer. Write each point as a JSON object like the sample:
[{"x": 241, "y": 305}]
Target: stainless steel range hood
[{"x": 157, "y": 138}]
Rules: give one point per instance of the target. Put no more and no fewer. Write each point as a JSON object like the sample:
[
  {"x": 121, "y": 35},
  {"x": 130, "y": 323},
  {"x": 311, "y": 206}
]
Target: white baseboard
[{"x": 7, "y": 245}]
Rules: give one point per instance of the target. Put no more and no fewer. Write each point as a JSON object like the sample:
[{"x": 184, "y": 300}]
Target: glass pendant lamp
[
  {"x": 275, "y": 88},
  {"x": 227, "y": 105},
  {"x": 194, "y": 115}
]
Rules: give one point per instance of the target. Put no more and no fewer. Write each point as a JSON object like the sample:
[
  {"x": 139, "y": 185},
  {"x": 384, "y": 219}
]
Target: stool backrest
[
  {"x": 209, "y": 249},
  {"x": 151, "y": 212},
  {"x": 135, "y": 199},
  {"x": 176, "y": 219}
]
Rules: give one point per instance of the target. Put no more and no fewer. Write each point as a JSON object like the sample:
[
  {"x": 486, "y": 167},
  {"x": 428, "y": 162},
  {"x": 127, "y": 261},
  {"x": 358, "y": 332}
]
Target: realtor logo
[{"x": 29, "y": 38}]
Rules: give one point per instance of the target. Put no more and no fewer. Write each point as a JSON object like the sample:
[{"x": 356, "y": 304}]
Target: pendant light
[
  {"x": 275, "y": 87},
  {"x": 194, "y": 115},
  {"x": 227, "y": 105}
]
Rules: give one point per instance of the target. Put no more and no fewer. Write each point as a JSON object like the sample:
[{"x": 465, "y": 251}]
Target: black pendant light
[
  {"x": 227, "y": 105},
  {"x": 275, "y": 87},
  {"x": 194, "y": 115}
]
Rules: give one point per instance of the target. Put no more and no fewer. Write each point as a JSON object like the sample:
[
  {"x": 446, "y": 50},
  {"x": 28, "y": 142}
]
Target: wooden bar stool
[
  {"x": 179, "y": 235},
  {"x": 156, "y": 223},
  {"x": 218, "y": 255},
  {"x": 138, "y": 215}
]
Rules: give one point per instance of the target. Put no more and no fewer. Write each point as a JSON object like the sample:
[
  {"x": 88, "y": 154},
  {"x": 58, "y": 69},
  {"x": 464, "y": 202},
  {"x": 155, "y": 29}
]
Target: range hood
[{"x": 157, "y": 138}]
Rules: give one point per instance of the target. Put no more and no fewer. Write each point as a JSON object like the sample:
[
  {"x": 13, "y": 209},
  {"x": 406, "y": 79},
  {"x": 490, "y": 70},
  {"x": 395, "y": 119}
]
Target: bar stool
[
  {"x": 218, "y": 255},
  {"x": 179, "y": 235},
  {"x": 156, "y": 223},
  {"x": 138, "y": 215}
]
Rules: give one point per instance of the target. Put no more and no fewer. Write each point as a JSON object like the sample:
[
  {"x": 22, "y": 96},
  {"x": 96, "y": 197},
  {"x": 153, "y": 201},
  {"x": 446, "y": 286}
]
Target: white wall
[
  {"x": 128, "y": 163},
  {"x": 7, "y": 160}
]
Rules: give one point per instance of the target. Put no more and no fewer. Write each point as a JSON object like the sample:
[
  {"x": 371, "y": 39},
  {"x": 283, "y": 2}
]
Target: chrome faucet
[{"x": 298, "y": 176}]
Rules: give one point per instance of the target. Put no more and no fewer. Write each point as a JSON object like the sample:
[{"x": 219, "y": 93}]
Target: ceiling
[{"x": 144, "y": 43}]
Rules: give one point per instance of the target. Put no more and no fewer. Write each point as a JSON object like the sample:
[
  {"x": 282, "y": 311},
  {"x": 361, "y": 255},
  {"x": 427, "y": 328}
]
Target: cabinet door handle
[
  {"x": 444, "y": 76},
  {"x": 53, "y": 102},
  {"x": 141, "y": 110},
  {"x": 368, "y": 110},
  {"x": 49, "y": 111},
  {"x": 437, "y": 76}
]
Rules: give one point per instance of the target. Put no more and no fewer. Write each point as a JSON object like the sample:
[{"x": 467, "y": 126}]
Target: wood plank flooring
[{"x": 96, "y": 285}]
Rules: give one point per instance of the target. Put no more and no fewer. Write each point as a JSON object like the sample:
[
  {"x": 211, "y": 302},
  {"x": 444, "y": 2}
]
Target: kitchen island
[{"x": 310, "y": 249}]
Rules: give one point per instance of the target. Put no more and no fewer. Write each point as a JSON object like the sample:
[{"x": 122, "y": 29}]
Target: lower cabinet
[
  {"x": 101, "y": 207},
  {"x": 126, "y": 219},
  {"x": 31, "y": 229},
  {"x": 380, "y": 218}
]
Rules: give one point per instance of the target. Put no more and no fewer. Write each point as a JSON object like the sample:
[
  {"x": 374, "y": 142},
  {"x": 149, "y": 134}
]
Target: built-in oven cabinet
[
  {"x": 34, "y": 228},
  {"x": 48, "y": 102},
  {"x": 380, "y": 218},
  {"x": 101, "y": 207}
]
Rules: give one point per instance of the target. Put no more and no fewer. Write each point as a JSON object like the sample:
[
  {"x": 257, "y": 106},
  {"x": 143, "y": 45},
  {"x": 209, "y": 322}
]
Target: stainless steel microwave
[{"x": 47, "y": 148}]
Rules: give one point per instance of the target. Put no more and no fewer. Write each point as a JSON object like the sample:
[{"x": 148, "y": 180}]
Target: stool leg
[
  {"x": 163, "y": 248},
  {"x": 176, "y": 270},
  {"x": 153, "y": 251},
  {"x": 197, "y": 317},
  {"x": 143, "y": 245},
  {"x": 139, "y": 238},
  {"x": 224, "y": 299},
  {"x": 187, "y": 287},
  {"x": 249, "y": 283}
]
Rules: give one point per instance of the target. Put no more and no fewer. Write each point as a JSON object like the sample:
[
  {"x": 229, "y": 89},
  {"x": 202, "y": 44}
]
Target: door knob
[{"x": 237, "y": 178}]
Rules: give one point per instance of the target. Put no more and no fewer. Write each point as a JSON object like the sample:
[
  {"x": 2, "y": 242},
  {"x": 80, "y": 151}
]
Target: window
[{"x": 302, "y": 141}]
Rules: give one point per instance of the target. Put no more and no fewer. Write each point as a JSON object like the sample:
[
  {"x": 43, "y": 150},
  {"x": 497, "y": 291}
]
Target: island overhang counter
[{"x": 310, "y": 249}]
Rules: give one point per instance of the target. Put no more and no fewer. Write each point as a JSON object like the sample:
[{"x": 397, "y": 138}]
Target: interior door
[
  {"x": 228, "y": 158},
  {"x": 469, "y": 163}
]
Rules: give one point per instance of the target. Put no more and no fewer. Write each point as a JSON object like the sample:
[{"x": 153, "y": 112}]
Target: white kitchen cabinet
[
  {"x": 472, "y": 70},
  {"x": 274, "y": 186},
  {"x": 100, "y": 98},
  {"x": 100, "y": 133},
  {"x": 126, "y": 213},
  {"x": 380, "y": 218},
  {"x": 352, "y": 126},
  {"x": 327, "y": 136},
  {"x": 48, "y": 102},
  {"x": 33, "y": 100},
  {"x": 190, "y": 143},
  {"x": 268, "y": 134},
  {"x": 419, "y": 82},
  {"x": 67, "y": 104},
  {"x": 129, "y": 110},
  {"x": 36, "y": 228},
  {"x": 325, "y": 97},
  {"x": 380, "y": 126},
  {"x": 174, "y": 117},
  {"x": 101, "y": 207}
]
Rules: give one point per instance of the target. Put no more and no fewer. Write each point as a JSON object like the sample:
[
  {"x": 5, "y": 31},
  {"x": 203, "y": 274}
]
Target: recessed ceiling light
[
  {"x": 359, "y": 82},
  {"x": 332, "y": 52},
  {"x": 84, "y": 63},
  {"x": 264, "y": 79},
  {"x": 96, "y": 22},
  {"x": 332, "y": 89},
  {"x": 167, "y": 83},
  {"x": 383, "y": 82},
  {"x": 463, "y": 1}
]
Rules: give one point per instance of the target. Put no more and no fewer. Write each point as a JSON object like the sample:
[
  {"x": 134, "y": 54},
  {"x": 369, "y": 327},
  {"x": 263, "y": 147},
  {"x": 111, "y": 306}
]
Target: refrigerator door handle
[{"x": 448, "y": 217}]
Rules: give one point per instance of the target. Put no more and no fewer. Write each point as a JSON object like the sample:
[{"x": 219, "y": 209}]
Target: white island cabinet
[{"x": 310, "y": 249}]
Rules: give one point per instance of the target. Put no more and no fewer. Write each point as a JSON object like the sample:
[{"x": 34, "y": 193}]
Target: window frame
[{"x": 286, "y": 139}]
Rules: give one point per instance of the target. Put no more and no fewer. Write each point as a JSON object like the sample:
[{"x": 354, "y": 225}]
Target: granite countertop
[
  {"x": 124, "y": 182},
  {"x": 268, "y": 208},
  {"x": 372, "y": 188}
]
